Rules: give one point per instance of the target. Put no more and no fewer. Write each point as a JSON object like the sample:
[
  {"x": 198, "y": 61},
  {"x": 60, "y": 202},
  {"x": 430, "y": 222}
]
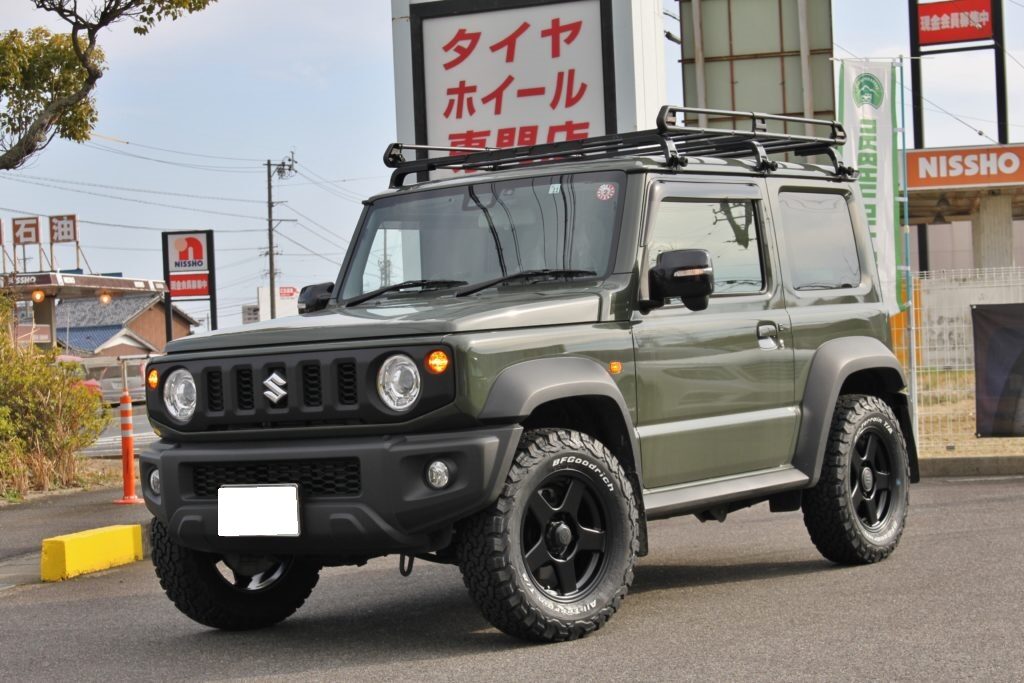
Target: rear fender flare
[{"x": 834, "y": 362}]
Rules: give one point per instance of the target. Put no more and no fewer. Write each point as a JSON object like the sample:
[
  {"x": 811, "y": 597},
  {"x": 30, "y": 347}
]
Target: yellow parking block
[{"x": 64, "y": 557}]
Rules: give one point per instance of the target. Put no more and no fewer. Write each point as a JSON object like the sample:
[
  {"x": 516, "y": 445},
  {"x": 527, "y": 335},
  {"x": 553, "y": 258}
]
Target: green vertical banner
[{"x": 867, "y": 109}]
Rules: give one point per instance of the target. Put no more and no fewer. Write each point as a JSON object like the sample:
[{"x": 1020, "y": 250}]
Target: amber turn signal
[
  {"x": 153, "y": 378},
  {"x": 437, "y": 362},
  {"x": 615, "y": 367}
]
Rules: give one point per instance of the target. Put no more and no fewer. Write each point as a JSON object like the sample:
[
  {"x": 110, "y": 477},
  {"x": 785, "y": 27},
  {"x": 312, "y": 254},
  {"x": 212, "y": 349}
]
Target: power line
[
  {"x": 110, "y": 138},
  {"x": 305, "y": 248},
  {"x": 316, "y": 234},
  {"x": 148, "y": 228},
  {"x": 136, "y": 189},
  {"x": 940, "y": 108},
  {"x": 340, "y": 180},
  {"x": 200, "y": 167},
  {"x": 131, "y": 199},
  {"x": 326, "y": 236},
  {"x": 338, "y": 192}
]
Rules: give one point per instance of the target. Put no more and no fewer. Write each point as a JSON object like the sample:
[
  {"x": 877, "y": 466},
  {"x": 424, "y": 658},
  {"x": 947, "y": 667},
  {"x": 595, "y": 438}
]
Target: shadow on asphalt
[
  {"x": 405, "y": 627},
  {"x": 427, "y": 625},
  {"x": 652, "y": 577}
]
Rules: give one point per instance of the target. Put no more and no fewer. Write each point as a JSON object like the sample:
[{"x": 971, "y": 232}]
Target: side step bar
[{"x": 671, "y": 501}]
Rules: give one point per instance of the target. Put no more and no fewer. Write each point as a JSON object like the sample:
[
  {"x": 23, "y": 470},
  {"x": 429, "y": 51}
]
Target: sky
[{"x": 190, "y": 114}]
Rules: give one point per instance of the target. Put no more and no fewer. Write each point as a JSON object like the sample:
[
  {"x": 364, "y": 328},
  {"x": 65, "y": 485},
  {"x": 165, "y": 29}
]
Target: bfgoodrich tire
[
  {"x": 258, "y": 594},
  {"x": 857, "y": 511},
  {"x": 553, "y": 558}
]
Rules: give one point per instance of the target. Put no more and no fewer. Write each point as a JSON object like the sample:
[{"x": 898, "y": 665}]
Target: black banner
[{"x": 999, "y": 368}]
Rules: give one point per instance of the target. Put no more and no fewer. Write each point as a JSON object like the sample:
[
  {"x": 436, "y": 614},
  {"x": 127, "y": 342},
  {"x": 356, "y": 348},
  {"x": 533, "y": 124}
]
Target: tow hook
[{"x": 405, "y": 563}]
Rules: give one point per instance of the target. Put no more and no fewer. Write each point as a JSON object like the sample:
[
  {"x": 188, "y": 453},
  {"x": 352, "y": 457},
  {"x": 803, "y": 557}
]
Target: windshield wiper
[
  {"x": 408, "y": 284},
  {"x": 524, "y": 275}
]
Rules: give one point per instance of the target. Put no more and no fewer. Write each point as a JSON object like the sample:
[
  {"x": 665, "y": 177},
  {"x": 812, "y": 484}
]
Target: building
[
  {"x": 250, "y": 313},
  {"x": 127, "y": 325}
]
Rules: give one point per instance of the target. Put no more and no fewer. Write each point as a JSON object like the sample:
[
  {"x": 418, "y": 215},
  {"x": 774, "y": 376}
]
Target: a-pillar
[{"x": 992, "y": 231}]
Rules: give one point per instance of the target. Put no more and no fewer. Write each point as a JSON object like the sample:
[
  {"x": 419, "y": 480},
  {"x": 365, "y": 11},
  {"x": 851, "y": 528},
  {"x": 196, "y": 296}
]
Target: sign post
[{"x": 189, "y": 271}]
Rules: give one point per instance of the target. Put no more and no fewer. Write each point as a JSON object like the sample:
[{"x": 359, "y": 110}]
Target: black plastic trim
[
  {"x": 833, "y": 363},
  {"x": 394, "y": 511}
]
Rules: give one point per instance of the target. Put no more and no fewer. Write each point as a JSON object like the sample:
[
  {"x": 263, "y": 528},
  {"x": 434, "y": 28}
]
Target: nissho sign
[
  {"x": 187, "y": 251},
  {"x": 965, "y": 167}
]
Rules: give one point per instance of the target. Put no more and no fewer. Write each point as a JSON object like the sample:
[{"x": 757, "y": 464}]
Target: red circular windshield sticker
[{"x": 606, "y": 191}]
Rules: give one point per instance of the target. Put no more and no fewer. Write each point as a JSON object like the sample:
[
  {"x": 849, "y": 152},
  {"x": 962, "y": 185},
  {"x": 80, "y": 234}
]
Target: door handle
[{"x": 768, "y": 336}]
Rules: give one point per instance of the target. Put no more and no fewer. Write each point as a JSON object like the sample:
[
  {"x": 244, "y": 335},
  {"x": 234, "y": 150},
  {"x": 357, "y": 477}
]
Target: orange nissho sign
[{"x": 965, "y": 167}]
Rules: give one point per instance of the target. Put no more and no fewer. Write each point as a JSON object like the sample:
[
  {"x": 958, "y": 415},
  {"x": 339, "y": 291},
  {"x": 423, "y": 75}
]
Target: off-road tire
[
  {"x": 834, "y": 509},
  {"x": 195, "y": 586},
  {"x": 490, "y": 545}
]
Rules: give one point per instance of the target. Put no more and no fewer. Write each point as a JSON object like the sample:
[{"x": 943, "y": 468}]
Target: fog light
[
  {"x": 154, "y": 482},
  {"x": 438, "y": 475}
]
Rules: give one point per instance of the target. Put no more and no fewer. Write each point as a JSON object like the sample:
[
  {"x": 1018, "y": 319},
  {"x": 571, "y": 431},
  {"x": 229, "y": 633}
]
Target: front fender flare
[{"x": 519, "y": 389}]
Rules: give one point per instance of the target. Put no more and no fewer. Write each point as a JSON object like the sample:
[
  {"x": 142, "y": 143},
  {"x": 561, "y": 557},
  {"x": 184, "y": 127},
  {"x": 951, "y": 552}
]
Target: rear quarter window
[{"x": 820, "y": 247}]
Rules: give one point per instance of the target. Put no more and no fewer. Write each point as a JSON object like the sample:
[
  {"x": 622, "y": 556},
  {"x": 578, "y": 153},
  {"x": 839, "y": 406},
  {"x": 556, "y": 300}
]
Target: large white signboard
[
  {"x": 500, "y": 73},
  {"x": 515, "y": 76}
]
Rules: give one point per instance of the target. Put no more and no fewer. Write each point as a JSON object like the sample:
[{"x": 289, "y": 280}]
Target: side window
[
  {"x": 820, "y": 247},
  {"x": 727, "y": 229}
]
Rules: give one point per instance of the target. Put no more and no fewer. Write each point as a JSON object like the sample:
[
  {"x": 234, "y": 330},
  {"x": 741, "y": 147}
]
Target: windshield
[{"x": 474, "y": 233}]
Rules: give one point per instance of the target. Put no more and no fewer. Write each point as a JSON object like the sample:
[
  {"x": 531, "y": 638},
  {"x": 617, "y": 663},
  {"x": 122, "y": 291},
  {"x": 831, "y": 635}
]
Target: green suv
[{"x": 526, "y": 360}]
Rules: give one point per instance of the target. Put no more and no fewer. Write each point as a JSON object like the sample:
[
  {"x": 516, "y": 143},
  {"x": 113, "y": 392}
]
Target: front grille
[
  {"x": 243, "y": 388},
  {"x": 319, "y": 388},
  {"x": 347, "y": 394},
  {"x": 215, "y": 390},
  {"x": 312, "y": 394},
  {"x": 316, "y": 478}
]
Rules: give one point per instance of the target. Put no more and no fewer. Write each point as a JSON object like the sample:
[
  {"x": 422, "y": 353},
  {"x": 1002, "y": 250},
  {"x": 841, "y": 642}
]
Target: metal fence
[{"x": 944, "y": 367}]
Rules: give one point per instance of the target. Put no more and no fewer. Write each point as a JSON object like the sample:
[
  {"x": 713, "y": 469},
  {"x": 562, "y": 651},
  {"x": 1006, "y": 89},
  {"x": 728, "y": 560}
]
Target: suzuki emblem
[{"x": 275, "y": 387}]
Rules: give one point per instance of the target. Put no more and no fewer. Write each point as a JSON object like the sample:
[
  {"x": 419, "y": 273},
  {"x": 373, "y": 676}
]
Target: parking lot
[{"x": 748, "y": 599}]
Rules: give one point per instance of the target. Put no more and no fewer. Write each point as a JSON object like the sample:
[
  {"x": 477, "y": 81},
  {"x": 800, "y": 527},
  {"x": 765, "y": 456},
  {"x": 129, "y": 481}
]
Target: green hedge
[{"x": 46, "y": 416}]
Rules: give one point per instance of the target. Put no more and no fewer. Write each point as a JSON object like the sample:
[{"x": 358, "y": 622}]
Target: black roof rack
[{"x": 672, "y": 139}]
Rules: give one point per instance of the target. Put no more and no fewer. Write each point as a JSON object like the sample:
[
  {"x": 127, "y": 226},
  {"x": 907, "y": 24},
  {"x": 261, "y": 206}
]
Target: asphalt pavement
[
  {"x": 108, "y": 445},
  {"x": 749, "y": 599}
]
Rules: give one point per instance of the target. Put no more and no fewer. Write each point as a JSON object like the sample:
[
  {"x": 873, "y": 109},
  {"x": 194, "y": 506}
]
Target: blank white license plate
[{"x": 271, "y": 510}]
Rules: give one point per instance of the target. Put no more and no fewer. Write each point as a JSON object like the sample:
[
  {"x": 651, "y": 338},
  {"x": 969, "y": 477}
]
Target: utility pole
[{"x": 283, "y": 169}]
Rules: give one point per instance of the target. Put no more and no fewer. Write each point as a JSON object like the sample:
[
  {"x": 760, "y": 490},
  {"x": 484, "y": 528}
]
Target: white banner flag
[{"x": 867, "y": 109}]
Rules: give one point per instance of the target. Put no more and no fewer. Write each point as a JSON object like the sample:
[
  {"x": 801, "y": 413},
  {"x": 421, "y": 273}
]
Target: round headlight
[
  {"x": 180, "y": 395},
  {"x": 398, "y": 383}
]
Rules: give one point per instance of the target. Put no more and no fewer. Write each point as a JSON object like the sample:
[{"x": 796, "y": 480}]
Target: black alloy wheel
[
  {"x": 564, "y": 536},
  {"x": 857, "y": 511},
  {"x": 552, "y": 558}
]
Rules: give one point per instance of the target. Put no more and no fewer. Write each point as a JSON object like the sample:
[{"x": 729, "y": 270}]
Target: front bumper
[{"x": 393, "y": 511}]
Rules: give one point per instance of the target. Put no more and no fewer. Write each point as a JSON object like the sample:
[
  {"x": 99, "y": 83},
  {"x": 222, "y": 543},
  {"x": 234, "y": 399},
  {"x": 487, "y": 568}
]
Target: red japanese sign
[
  {"x": 954, "y": 21},
  {"x": 287, "y": 292},
  {"x": 63, "y": 229},
  {"x": 516, "y": 76},
  {"x": 26, "y": 230},
  {"x": 189, "y": 284}
]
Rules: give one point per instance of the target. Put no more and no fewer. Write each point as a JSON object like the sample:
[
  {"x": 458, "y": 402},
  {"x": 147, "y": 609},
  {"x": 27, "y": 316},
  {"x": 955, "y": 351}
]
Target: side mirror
[
  {"x": 315, "y": 297},
  {"x": 686, "y": 273}
]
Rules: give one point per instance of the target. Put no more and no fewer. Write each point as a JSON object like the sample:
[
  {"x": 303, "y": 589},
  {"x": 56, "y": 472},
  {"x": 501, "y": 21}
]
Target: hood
[{"x": 406, "y": 317}]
